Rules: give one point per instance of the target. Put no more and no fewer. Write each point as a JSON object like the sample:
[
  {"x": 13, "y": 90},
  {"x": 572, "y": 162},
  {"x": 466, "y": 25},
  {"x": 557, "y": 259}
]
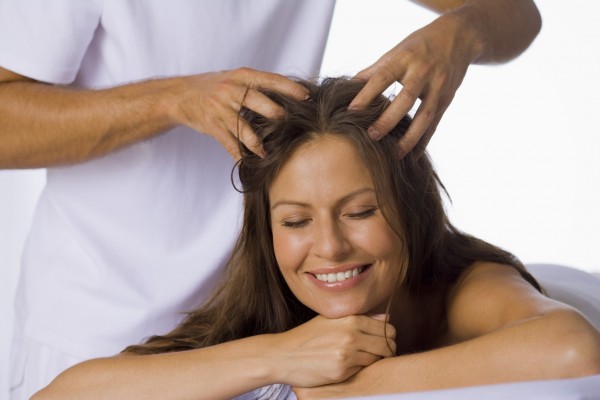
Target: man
[{"x": 139, "y": 213}]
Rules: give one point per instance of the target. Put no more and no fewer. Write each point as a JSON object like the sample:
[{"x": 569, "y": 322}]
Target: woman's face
[{"x": 335, "y": 250}]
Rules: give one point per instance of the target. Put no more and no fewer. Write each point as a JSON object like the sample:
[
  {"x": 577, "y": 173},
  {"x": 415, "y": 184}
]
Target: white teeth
[{"x": 340, "y": 276}]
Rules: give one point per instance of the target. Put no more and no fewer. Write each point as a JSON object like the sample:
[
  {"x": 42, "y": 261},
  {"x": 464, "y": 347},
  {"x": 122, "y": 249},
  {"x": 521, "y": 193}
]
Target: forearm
[
  {"x": 561, "y": 345},
  {"x": 217, "y": 372},
  {"x": 44, "y": 125},
  {"x": 499, "y": 30}
]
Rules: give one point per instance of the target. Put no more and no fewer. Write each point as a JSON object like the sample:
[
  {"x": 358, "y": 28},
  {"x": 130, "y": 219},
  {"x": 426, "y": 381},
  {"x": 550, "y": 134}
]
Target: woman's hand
[
  {"x": 324, "y": 351},
  {"x": 211, "y": 102},
  {"x": 364, "y": 383}
]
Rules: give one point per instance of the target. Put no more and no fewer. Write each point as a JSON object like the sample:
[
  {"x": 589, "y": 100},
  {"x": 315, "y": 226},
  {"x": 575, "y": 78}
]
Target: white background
[{"x": 518, "y": 149}]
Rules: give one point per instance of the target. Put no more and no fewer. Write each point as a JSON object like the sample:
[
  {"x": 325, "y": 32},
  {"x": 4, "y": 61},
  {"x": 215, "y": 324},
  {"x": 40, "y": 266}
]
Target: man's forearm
[
  {"x": 44, "y": 125},
  {"x": 503, "y": 28}
]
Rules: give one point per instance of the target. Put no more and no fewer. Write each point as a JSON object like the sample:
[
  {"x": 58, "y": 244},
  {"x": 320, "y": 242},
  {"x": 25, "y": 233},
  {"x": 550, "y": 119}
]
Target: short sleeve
[{"x": 47, "y": 40}]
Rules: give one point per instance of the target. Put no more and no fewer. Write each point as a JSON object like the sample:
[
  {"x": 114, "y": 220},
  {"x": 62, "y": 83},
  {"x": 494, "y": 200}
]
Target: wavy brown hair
[{"x": 252, "y": 297}]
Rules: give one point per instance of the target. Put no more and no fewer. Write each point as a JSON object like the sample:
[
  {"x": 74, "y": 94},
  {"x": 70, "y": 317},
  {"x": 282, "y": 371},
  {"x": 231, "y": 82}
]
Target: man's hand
[
  {"x": 211, "y": 103},
  {"x": 430, "y": 64}
]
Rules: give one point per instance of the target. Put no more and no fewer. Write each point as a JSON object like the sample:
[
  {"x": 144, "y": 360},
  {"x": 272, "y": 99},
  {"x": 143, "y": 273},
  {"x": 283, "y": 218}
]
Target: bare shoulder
[{"x": 490, "y": 296}]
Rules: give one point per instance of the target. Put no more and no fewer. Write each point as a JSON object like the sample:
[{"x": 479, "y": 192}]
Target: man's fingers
[
  {"x": 421, "y": 122},
  {"x": 399, "y": 107},
  {"x": 373, "y": 88},
  {"x": 241, "y": 130},
  {"x": 258, "y": 102},
  {"x": 275, "y": 82},
  {"x": 422, "y": 145}
]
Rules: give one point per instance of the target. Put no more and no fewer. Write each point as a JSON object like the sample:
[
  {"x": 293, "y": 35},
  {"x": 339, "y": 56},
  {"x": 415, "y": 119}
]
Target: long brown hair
[{"x": 252, "y": 297}]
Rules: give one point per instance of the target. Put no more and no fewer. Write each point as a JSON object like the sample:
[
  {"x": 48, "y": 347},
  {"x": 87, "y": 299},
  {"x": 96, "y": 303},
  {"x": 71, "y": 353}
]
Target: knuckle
[
  {"x": 428, "y": 114},
  {"x": 385, "y": 124},
  {"x": 442, "y": 79},
  {"x": 347, "y": 339},
  {"x": 338, "y": 375},
  {"x": 405, "y": 146},
  {"x": 244, "y": 71},
  {"x": 231, "y": 148},
  {"x": 341, "y": 355},
  {"x": 408, "y": 93}
]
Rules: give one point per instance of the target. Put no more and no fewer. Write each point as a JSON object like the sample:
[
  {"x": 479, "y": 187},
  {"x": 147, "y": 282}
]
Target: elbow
[
  {"x": 576, "y": 345},
  {"x": 580, "y": 354}
]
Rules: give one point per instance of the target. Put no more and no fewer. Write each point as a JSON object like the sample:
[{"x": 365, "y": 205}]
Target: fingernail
[
  {"x": 374, "y": 133},
  {"x": 380, "y": 317}
]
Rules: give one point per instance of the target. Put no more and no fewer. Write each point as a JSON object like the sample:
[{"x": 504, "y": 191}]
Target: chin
[{"x": 340, "y": 312}]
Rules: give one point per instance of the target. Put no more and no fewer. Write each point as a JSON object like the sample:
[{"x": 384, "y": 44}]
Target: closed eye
[
  {"x": 363, "y": 214},
  {"x": 294, "y": 224}
]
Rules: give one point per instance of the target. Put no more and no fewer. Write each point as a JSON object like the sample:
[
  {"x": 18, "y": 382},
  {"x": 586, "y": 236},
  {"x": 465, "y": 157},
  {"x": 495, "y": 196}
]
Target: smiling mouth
[{"x": 341, "y": 276}]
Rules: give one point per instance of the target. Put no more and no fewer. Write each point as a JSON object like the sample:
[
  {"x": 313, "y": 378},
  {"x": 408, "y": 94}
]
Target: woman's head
[
  {"x": 333, "y": 246},
  {"x": 329, "y": 201}
]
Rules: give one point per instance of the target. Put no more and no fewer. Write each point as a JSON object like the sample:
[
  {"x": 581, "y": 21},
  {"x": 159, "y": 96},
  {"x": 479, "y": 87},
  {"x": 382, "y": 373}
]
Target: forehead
[{"x": 322, "y": 168}]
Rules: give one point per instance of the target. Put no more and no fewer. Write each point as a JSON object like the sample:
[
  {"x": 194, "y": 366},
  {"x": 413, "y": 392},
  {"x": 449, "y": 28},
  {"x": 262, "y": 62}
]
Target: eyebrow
[{"x": 344, "y": 199}]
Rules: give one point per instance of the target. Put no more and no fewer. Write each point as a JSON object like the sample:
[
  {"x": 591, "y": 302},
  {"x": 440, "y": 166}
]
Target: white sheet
[{"x": 568, "y": 389}]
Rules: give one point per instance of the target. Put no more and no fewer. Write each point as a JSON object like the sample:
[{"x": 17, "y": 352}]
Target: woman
[{"x": 347, "y": 279}]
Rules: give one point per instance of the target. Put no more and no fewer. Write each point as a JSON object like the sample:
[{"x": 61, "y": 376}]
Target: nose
[{"x": 331, "y": 242}]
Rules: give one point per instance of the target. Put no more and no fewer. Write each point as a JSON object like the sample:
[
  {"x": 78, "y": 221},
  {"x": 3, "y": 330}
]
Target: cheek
[
  {"x": 290, "y": 250},
  {"x": 379, "y": 240}
]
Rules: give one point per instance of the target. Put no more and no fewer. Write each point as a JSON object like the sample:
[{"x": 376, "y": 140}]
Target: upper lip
[{"x": 336, "y": 269}]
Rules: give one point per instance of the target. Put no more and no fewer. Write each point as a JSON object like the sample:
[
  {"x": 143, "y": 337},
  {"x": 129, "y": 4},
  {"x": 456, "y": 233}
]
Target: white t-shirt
[{"x": 122, "y": 245}]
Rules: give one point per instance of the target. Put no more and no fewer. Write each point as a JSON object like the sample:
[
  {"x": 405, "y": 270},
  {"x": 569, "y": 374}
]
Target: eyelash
[
  {"x": 299, "y": 224},
  {"x": 294, "y": 224},
  {"x": 364, "y": 214}
]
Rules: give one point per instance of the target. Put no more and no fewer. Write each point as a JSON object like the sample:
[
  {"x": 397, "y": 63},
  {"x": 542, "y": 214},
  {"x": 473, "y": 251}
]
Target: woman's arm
[
  {"x": 502, "y": 330},
  {"x": 318, "y": 352},
  {"x": 221, "y": 371}
]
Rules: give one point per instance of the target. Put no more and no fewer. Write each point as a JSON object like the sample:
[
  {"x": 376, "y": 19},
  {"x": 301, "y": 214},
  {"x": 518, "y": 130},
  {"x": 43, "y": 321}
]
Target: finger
[
  {"x": 363, "y": 359},
  {"x": 377, "y": 328},
  {"x": 380, "y": 317},
  {"x": 376, "y": 345},
  {"x": 240, "y": 131},
  {"x": 399, "y": 107},
  {"x": 376, "y": 85},
  {"x": 420, "y": 148},
  {"x": 420, "y": 123},
  {"x": 229, "y": 143},
  {"x": 274, "y": 82},
  {"x": 258, "y": 102},
  {"x": 366, "y": 73}
]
